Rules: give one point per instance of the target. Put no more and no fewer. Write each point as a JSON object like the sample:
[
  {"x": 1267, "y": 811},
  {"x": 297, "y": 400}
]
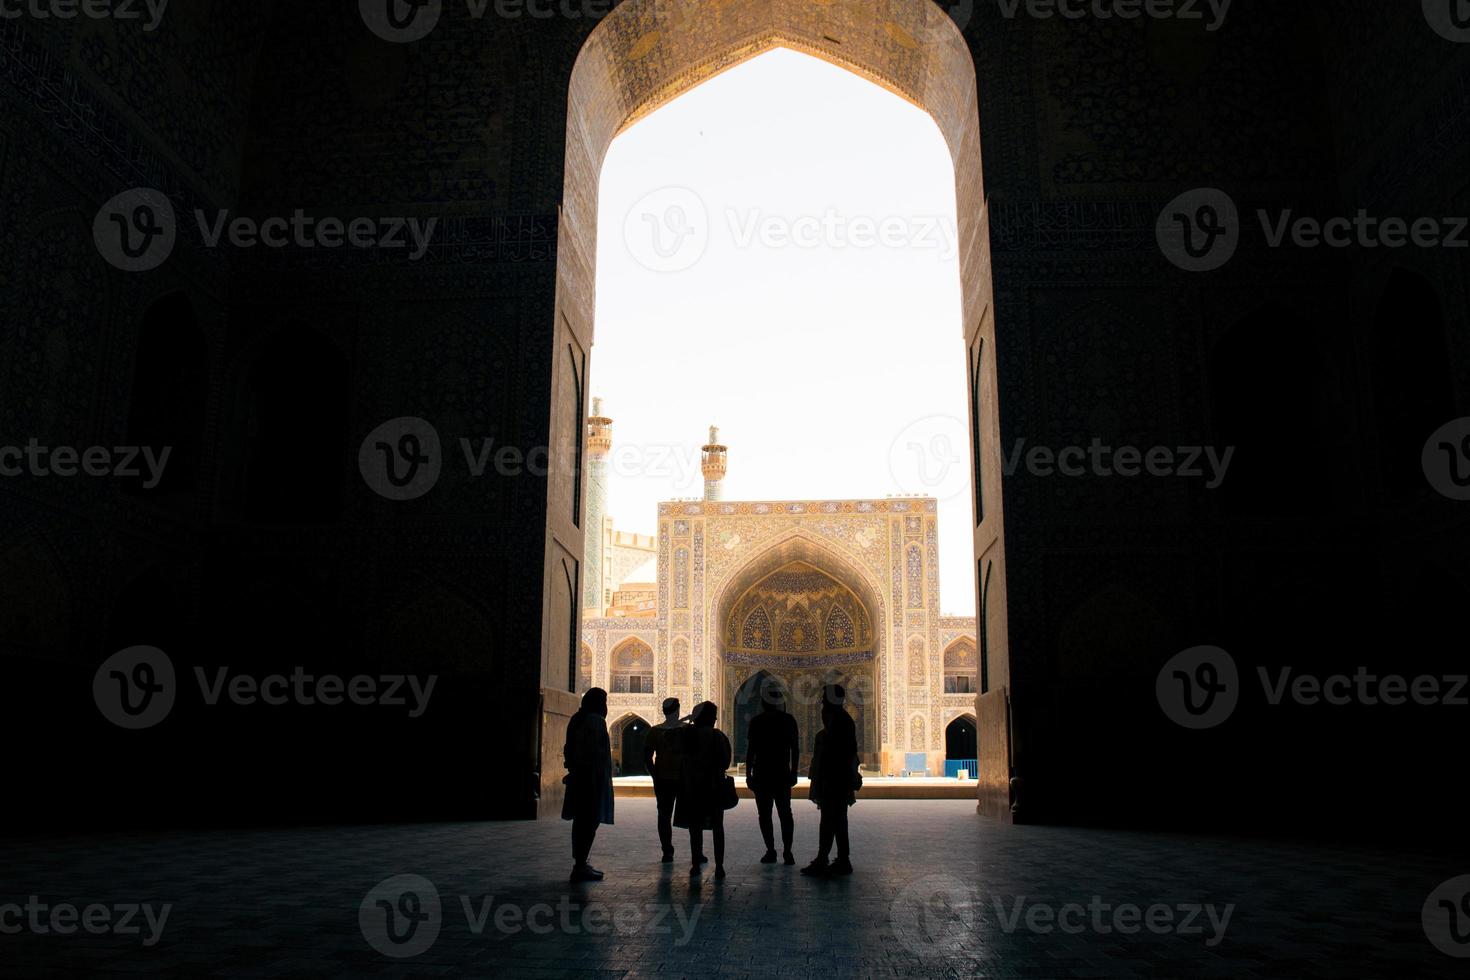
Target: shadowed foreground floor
[{"x": 938, "y": 892}]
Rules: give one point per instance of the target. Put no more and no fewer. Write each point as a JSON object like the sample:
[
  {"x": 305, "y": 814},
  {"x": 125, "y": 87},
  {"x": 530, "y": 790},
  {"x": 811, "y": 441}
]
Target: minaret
[
  {"x": 712, "y": 460},
  {"x": 599, "y": 443}
]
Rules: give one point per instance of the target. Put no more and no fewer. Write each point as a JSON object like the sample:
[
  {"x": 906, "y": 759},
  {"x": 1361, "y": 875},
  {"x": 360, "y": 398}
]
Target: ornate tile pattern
[
  {"x": 756, "y": 633},
  {"x": 839, "y": 633},
  {"x": 681, "y": 578},
  {"x": 681, "y": 664},
  {"x": 918, "y": 673},
  {"x": 914, "y": 569}
]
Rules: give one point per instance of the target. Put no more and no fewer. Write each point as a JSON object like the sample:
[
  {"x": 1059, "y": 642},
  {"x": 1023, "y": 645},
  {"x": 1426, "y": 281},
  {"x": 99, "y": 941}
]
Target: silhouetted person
[
  {"x": 834, "y": 767},
  {"x": 772, "y": 756},
  {"x": 589, "y": 797},
  {"x": 701, "y": 797},
  {"x": 662, "y": 752}
]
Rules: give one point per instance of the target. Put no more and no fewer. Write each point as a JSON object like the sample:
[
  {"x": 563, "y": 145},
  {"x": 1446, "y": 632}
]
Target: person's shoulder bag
[{"x": 728, "y": 796}]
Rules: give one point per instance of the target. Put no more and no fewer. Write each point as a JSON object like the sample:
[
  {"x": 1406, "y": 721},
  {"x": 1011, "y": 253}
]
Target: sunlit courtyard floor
[
  {"x": 938, "y": 892},
  {"x": 874, "y": 788}
]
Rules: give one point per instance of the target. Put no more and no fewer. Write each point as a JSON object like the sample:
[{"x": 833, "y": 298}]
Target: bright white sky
[{"x": 832, "y": 359}]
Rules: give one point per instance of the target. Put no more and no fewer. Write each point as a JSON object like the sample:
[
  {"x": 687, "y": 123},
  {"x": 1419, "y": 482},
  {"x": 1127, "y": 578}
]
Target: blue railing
[{"x": 952, "y": 767}]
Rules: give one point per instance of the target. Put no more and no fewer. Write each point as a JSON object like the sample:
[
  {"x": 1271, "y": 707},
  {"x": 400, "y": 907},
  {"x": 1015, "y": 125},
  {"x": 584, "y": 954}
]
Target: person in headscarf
[
  {"x": 834, "y": 767},
  {"x": 589, "y": 795},
  {"x": 701, "y": 803}
]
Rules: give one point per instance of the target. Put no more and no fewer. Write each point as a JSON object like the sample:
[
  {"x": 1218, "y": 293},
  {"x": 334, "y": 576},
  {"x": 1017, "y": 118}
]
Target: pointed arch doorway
[
  {"x": 629, "y": 736},
  {"x": 960, "y": 743},
  {"x": 646, "y": 53}
]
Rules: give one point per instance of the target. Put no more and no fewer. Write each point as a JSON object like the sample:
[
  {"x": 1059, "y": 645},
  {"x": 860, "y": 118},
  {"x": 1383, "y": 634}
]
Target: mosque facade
[{"x": 733, "y": 595}]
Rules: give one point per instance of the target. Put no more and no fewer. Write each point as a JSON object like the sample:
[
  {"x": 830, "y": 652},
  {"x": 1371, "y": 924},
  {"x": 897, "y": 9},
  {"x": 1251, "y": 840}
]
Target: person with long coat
[
  {"x": 701, "y": 805},
  {"x": 589, "y": 796}
]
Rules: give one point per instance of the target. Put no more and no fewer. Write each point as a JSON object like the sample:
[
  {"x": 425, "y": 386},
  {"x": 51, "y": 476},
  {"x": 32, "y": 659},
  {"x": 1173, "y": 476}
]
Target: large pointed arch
[{"x": 647, "y": 53}]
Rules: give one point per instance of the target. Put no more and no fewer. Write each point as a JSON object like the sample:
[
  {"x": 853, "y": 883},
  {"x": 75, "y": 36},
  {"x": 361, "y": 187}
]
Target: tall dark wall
[
  {"x": 280, "y": 555},
  {"x": 1303, "y": 557},
  {"x": 276, "y": 553},
  {"x": 88, "y": 565}
]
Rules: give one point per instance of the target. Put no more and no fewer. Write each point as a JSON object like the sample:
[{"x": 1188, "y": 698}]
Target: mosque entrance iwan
[{"x": 842, "y": 591}]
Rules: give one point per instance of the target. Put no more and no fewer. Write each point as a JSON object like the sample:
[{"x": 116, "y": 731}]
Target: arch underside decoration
[{"x": 798, "y": 609}]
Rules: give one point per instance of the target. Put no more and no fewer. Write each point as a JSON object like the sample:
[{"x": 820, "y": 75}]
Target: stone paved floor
[{"x": 939, "y": 892}]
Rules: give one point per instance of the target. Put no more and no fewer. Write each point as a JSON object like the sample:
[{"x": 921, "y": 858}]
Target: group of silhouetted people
[{"x": 688, "y": 759}]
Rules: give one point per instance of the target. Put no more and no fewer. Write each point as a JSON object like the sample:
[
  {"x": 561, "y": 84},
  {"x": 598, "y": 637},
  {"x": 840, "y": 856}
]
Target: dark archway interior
[
  {"x": 634, "y": 736},
  {"x": 960, "y": 741},
  {"x": 145, "y": 613},
  {"x": 295, "y": 429},
  {"x": 1265, "y": 377},
  {"x": 170, "y": 383},
  {"x": 267, "y": 108},
  {"x": 1413, "y": 394}
]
